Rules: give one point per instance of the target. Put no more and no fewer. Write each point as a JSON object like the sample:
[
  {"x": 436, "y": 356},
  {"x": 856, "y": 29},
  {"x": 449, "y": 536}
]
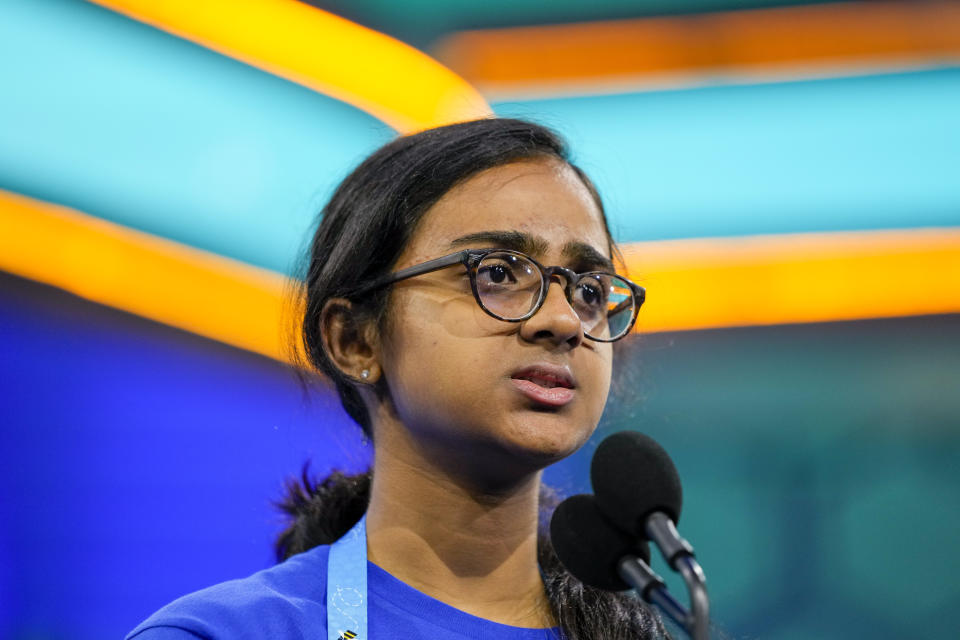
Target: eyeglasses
[{"x": 512, "y": 286}]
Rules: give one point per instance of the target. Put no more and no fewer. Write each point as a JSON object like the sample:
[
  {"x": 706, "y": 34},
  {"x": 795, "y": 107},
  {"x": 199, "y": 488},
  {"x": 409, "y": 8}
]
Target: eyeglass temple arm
[
  {"x": 427, "y": 267},
  {"x": 639, "y": 293}
]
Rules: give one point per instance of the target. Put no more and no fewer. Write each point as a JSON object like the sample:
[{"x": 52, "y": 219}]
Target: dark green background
[{"x": 821, "y": 469}]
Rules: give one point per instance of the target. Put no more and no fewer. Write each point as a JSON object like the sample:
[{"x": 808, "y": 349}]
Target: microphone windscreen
[
  {"x": 589, "y": 546},
  {"x": 632, "y": 477}
]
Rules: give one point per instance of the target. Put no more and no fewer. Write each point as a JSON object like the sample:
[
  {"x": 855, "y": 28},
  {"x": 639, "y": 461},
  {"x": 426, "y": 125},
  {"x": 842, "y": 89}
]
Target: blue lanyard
[{"x": 347, "y": 585}]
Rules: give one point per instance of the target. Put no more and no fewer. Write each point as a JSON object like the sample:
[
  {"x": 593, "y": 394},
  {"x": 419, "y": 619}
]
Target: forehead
[{"x": 543, "y": 198}]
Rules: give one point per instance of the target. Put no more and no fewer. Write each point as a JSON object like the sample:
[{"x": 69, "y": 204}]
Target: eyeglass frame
[{"x": 471, "y": 258}]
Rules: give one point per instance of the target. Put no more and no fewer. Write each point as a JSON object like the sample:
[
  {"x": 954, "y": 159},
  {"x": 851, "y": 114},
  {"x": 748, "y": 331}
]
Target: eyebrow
[
  {"x": 583, "y": 256},
  {"x": 515, "y": 240}
]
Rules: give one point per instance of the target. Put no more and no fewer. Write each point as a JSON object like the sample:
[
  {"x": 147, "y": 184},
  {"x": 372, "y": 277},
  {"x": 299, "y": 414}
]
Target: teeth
[{"x": 547, "y": 384}]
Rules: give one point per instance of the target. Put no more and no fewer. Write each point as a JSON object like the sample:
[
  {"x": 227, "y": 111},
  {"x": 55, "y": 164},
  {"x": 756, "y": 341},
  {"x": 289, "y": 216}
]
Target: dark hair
[{"x": 361, "y": 234}]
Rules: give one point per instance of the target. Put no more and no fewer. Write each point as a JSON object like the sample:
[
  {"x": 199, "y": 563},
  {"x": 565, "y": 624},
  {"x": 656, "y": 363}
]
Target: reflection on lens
[{"x": 617, "y": 309}]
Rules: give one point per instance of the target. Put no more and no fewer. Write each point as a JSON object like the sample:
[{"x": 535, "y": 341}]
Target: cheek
[
  {"x": 438, "y": 392},
  {"x": 435, "y": 352},
  {"x": 601, "y": 371},
  {"x": 606, "y": 370}
]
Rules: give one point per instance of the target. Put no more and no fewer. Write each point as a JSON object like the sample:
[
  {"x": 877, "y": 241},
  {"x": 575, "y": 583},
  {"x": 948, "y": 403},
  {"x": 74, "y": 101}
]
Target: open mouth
[
  {"x": 545, "y": 385},
  {"x": 545, "y": 380}
]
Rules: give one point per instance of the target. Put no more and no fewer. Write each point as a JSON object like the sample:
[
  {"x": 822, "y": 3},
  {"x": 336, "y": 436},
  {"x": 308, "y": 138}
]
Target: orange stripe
[
  {"x": 833, "y": 34},
  {"x": 692, "y": 284},
  {"x": 152, "y": 277},
  {"x": 762, "y": 280},
  {"x": 392, "y": 81}
]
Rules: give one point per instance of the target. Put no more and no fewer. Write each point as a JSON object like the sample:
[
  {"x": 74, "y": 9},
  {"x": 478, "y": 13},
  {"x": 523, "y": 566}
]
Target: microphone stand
[
  {"x": 692, "y": 574},
  {"x": 679, "y": 554}
]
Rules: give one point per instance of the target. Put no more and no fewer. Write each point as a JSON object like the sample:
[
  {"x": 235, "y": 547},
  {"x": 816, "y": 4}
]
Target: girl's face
[{"x": 473, "y": 388}]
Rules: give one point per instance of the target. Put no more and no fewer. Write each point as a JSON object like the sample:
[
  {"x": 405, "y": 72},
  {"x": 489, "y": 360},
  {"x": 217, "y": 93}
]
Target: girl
[{"x": 462, "y": 297}]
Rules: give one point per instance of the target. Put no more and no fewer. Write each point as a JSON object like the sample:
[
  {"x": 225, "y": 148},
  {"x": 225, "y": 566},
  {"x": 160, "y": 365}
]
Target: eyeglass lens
[{"x": 509, "y": 286}]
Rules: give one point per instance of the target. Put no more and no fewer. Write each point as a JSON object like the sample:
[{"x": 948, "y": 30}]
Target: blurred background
[{"x": 783, "y": 177}]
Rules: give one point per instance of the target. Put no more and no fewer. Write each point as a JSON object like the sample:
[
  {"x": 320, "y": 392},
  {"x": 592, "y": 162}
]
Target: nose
[{"x": 555, "y": 322}]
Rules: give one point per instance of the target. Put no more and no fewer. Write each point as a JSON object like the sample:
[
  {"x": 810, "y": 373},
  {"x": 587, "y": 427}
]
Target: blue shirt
[{"x": 288, "y": 601}]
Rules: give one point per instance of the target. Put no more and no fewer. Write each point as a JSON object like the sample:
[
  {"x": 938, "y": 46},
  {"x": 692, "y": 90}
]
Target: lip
[{"x": 547, "y": 384}]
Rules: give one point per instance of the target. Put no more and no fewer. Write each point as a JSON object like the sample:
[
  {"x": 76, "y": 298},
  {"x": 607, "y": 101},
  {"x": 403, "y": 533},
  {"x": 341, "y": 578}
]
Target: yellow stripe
[
  {"x": 392, "y": 81},
  {"x": 816, "y": 277},
  {"x": 692, "y": 284},
  {"x": 152, "y": 277}
]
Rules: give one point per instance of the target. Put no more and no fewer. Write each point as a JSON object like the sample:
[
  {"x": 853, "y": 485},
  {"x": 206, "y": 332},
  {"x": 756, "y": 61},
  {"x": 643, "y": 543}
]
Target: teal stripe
[
  {"x": 827, "y": 155},
  {"x": 126, "y": 122},
  {"x": 115, "y": 118}
]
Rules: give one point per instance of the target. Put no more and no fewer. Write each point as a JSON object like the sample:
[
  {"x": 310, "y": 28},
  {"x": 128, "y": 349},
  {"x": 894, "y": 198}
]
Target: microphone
[
  {"x": 589, "y": 546},
  {"x": 638, "y": 489},
  {"x": 600, "y": 555}
]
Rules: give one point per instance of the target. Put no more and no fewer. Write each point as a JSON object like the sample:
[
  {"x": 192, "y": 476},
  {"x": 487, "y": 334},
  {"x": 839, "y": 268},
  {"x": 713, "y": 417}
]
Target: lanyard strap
[{"x": 347, "y": 585}]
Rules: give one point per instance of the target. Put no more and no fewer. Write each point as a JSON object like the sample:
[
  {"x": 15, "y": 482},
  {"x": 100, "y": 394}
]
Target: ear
[{"x": 350, "y": 340}]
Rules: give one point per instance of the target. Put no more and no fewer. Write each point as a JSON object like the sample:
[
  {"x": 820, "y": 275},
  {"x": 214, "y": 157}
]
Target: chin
[{"x": 547, "y": 437}]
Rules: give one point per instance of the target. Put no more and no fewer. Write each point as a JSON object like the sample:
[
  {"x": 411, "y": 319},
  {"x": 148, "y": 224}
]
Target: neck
[{"x": 468, "y": 546}]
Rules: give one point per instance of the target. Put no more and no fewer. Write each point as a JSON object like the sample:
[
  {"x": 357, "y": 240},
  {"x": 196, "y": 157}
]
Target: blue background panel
[{"x": 140, "y": 462}]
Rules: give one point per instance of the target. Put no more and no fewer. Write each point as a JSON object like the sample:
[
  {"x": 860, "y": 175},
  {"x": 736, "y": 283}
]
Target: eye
[
  {"x": 497, "y": 273},
  {"x": 507, "y": 274},
  {"x": 591, "y": 293},
  {"x": 590, "y": 296},
  {"x": 506, "y": 270}
]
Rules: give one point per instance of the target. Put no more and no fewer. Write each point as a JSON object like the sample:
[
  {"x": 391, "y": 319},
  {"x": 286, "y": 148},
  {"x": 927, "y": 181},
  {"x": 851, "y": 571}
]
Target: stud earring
[{"x": 365, "y": 374}]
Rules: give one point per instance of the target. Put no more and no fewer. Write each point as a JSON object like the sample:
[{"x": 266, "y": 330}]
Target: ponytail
[{"x": 320, "y": 513}]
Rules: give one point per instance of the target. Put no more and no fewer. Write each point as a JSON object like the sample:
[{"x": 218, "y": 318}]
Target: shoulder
[{"x": 286, "y": 600}]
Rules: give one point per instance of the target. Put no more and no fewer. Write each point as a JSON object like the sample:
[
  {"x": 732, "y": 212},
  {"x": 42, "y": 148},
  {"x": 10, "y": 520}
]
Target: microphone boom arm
[
  {"x": 679, "y": 555},
  {"x": 636, "y": 573},
  {"x": 689, "y": 568}
]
